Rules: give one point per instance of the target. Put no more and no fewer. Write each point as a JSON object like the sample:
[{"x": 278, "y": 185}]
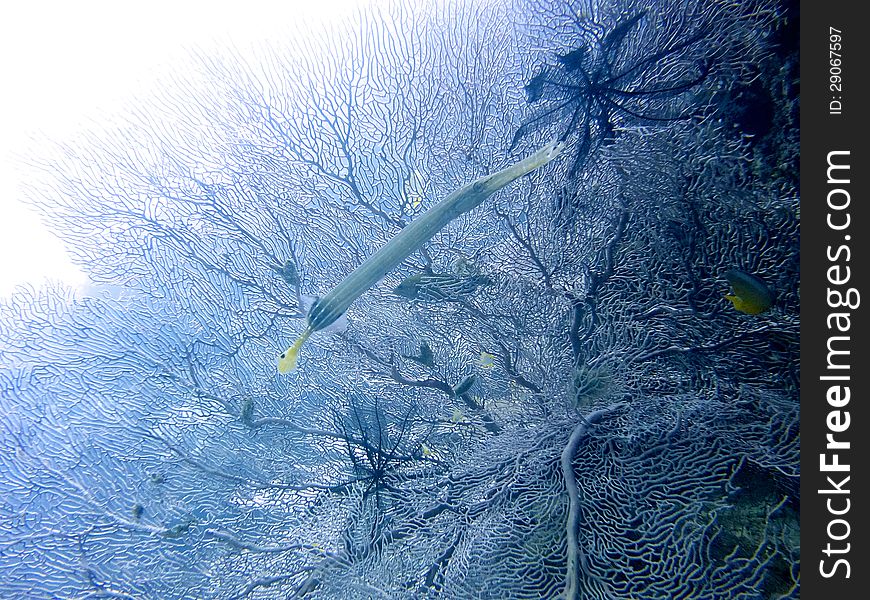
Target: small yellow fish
[
  {"x": 457, "y": 416},
  {"x": 415, "y": 189},
  {"x": 751, "y": 295},
  {"x": 427, "y": 451},
  {"x": 487, "y": 360}
]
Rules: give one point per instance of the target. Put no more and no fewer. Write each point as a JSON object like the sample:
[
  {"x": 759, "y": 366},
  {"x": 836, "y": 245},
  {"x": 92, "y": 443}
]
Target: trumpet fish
[{"x": 330, "y": 307}]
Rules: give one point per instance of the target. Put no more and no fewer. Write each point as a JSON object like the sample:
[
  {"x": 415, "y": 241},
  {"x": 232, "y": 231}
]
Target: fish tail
[{"x": 287, "y": 360}]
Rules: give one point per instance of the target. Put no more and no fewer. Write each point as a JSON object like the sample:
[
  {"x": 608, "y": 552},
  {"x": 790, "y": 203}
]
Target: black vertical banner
[{"x": 835, "y": 369}]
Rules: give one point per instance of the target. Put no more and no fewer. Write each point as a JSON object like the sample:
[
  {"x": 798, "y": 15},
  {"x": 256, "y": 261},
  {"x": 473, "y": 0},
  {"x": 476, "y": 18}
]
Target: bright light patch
[{"x": 66, "y": 63}]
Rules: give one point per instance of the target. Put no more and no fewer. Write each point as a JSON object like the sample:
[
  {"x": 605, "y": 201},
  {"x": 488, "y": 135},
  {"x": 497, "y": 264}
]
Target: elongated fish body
[
  {"x": 331, "y": 306},
  {"x": 418, "y": 232},
  {"x": 439, "y": 287},
  {"x": 750, "y": 295}
]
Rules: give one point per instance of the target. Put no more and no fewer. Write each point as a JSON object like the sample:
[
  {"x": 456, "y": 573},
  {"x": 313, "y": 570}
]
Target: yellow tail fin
[{"x": 287, "y": 360}]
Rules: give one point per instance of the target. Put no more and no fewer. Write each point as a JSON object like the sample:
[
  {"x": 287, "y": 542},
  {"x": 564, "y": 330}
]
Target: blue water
[{"x": 550, "y": 397}]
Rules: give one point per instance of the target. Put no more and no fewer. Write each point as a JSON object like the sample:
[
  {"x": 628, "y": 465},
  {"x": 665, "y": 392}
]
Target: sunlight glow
[{"x": 67, "y": 63}]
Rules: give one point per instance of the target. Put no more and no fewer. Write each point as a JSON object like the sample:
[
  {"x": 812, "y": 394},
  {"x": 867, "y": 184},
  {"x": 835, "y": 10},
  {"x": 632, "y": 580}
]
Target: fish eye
[{"x": 283, "y": 355}]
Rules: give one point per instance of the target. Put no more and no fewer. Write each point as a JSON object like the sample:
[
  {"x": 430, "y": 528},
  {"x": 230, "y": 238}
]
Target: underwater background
[{"x": 586, "y": 387}]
